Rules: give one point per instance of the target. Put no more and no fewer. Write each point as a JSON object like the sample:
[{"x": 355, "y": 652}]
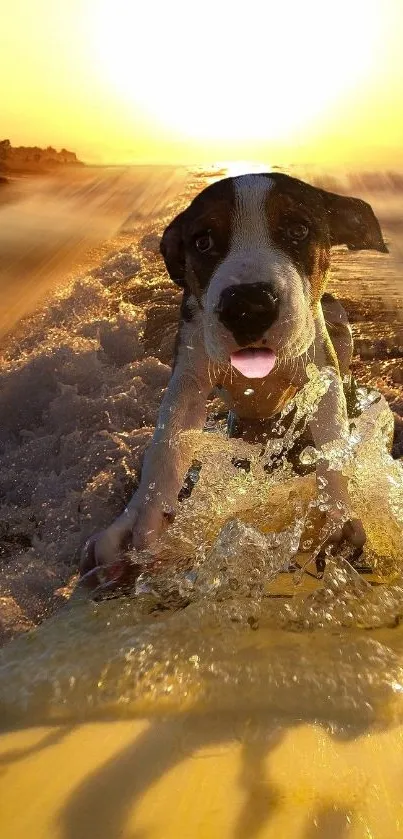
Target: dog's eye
[
  {"x": 204, "y": 242},
  {"x": 297, "y": 231}
]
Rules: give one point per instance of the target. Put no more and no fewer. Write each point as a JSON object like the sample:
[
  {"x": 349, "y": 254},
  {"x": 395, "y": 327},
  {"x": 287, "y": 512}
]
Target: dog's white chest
[{"x": 256, "y": 398}]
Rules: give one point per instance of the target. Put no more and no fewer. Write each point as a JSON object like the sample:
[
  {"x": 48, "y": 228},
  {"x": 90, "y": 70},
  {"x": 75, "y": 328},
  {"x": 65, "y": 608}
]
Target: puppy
[{"x": 252, "y": 255}]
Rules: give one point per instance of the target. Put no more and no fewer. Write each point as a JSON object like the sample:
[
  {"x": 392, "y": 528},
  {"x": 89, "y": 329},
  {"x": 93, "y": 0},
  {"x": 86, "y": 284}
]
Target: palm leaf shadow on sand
[
  {"x": 54, "y": 737},
  {"x": 101, "y": 804}
]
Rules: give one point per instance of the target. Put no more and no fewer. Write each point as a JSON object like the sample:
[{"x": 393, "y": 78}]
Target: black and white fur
[{"x": 242, "y": 238}]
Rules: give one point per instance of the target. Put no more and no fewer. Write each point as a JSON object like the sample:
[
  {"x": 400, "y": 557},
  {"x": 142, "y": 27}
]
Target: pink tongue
[{"x": 254, "y": 364}]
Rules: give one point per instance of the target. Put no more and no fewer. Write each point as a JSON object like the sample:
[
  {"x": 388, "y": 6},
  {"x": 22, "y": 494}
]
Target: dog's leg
[
  {"x": 153, "y": 505},
  {"x": 339, "y": 330},
  {"x": 341, "y": 336},
  {"x": 330, "y": 424}
]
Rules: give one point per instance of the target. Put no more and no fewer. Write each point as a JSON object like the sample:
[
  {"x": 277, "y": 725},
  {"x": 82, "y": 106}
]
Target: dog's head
[{"x": 253, "y": 252}]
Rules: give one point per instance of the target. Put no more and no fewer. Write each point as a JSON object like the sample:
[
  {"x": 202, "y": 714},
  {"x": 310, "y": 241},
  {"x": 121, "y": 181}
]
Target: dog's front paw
[
  {"x": 344, "y": 531},
  {"x": 342, "y": 535},
  {"x": 106, "y": 556}
]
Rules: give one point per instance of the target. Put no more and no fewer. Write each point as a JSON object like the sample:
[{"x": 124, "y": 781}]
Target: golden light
[
  {"x": 217, "y": 72},
  {"x": 232, "y": 168}
]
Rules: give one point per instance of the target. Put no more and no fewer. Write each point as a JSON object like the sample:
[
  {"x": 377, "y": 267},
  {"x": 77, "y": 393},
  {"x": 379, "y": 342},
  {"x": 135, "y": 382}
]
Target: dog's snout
[{"x": 248, "y": 310}]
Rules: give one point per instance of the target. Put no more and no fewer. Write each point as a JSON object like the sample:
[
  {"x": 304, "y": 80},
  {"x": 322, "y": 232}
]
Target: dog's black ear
[
  {"x": 352, "y": 222},
  {"x": 173, "y": 251}
]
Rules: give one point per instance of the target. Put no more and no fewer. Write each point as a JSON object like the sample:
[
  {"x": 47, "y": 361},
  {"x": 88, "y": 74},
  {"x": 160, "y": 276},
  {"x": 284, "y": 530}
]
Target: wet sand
[{"x": 201, "y": 777}]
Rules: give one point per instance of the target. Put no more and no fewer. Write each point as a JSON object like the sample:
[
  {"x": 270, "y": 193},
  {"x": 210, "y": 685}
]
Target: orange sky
[{"x": 131, "y": 81}]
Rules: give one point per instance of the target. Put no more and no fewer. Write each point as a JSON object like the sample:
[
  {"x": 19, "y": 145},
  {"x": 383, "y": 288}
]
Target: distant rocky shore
[{"x": 22, "y": 160}]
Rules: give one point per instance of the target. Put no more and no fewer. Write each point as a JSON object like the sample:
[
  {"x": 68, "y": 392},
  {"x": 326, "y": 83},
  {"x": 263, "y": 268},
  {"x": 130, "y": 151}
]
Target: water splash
[{"x": 219, "y": 626}]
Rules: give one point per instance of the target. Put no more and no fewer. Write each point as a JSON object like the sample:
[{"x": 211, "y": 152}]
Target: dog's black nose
[{"x": 247, "y": 310}]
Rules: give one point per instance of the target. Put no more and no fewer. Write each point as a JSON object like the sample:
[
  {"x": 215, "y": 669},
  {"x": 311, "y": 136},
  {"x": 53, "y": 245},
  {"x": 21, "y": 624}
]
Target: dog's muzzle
[{"x": 247, "y": 310}]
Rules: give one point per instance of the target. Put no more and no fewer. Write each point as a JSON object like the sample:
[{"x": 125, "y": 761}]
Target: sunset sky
[{"x": 173, "y": 81}]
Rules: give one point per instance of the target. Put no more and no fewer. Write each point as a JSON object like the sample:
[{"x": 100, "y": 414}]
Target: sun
[{"x": 219, "y": 72}]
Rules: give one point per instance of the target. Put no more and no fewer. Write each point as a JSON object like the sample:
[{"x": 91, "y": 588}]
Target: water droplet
[{"x": 309, "y": 456}]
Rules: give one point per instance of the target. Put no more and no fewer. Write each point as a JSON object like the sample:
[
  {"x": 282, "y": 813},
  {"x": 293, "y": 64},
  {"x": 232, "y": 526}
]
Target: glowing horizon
[{"x": 296, "y": 82}]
